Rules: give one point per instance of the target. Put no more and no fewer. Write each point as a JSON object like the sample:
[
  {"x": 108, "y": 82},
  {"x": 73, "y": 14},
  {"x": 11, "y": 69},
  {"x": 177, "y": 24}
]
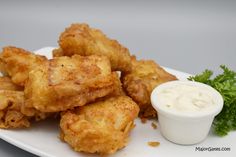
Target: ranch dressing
[
  {"x": 186, "y": 98},
  {"x": 186, "y": 110}
]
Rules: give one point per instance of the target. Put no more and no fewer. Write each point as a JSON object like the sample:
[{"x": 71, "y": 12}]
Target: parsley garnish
[{"x": 225, "y": 84}]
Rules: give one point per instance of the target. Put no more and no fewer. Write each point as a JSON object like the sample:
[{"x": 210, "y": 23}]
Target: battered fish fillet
[
  {"x": 66, "y": 82},
  {"x": 83, "y": 40},
  {"x": 10, "y": 110},
  {"x": 102, "y": 127},
  {"x": 17, "y": 63},
  {"x": 11, "y": 102},
  {"x": 140, "y": 82}
]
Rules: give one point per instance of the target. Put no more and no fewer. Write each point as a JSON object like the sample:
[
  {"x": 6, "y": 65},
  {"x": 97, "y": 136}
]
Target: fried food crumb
[
  {"x": 154, "y": 125},
  {"x": 143, "y": 120},
  {"x": 153, "y": 144}
]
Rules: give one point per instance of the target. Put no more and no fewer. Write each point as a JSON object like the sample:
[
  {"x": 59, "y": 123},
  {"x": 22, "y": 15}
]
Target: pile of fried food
[{"x": 92, "y": 81}]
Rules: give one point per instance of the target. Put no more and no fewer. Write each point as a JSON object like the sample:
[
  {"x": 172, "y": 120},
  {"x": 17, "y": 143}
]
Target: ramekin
[{"x": 185, "y": 129}]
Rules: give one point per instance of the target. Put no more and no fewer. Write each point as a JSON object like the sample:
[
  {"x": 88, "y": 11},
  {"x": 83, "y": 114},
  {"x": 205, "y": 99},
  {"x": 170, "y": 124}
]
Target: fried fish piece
[
  {"x": 66, "y": 82},
  {"x": 10, "y": 110},
  {"x": 11, "y": 105},
  {"x": 102, "y": 127},
  {"x": 17, "y": 63},
  {"x": 140, "y": 82},
  {"x": 83, "y": 40},
  {"x": 11, "y": 114}
]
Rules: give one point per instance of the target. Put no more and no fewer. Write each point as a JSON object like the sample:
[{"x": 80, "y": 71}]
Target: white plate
[{"x": 42, "y": 138}]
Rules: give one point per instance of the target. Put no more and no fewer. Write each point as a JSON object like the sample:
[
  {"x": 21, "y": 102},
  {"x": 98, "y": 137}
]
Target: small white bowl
[{"x": 185, "y": 128}]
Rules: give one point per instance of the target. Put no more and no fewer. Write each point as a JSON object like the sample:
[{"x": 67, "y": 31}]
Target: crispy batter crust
[
  {"x": 102, "y": 127},
  {"x": 83, "y": 40},
  {"x": 10, "y": 110},
  {"x": 7, "y": 84},
  {"x": 11, "y": 114},
  {"x": 2, "y": 68},
  {"x": 17, "y": 63},
  {"x": 140, "y": 82},
  {"x": 67, "y": 82},
  {"x": 58, "y": 52},
  {"x": 12, "y": 106}
]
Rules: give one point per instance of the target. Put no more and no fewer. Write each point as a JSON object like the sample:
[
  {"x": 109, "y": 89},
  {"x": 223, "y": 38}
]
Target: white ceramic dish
[
  {"x": 42, "y": 138},
  {"x": 186, "y": 127}
]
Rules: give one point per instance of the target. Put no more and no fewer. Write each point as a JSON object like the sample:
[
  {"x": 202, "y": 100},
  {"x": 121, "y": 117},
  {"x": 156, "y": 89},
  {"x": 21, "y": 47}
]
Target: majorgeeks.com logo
[{"x": 210, "y": 149}]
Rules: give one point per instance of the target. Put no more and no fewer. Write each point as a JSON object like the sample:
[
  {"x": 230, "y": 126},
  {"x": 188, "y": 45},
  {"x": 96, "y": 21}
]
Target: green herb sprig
[{"x": 225, "y": 84}]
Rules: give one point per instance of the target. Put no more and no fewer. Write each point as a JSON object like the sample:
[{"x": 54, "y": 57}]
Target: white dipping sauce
[
  {"x": 186, "y": 110},
  {"x": 186, "y": 98}
]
